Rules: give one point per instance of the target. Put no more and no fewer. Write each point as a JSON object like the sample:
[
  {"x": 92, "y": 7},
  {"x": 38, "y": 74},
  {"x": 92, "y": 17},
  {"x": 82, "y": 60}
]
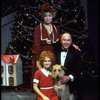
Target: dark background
[{"x": 93, "y": 26}]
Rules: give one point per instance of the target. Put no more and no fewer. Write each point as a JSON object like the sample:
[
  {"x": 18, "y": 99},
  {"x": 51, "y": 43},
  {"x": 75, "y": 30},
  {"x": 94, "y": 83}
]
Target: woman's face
[
  {"x": 47, "y": 63},
  {"x": 48, "y": 17}
]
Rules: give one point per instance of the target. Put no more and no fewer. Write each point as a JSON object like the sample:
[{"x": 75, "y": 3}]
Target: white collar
[{"x": 45, "y": 72}]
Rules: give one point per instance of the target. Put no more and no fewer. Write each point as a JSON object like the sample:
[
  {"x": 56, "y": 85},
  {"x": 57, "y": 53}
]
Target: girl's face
[
  {"x": 47, "y": 63},
  {"x": 48, "y": 17}
]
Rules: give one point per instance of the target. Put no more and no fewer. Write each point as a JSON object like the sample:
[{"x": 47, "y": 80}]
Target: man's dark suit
[{"x": 73, "y": 66}]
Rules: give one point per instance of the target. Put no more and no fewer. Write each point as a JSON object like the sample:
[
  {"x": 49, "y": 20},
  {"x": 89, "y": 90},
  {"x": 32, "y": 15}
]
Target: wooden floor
[{"x": 27, "y": 95}]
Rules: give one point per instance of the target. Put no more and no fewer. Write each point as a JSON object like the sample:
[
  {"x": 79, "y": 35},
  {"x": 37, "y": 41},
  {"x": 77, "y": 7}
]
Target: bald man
[{"x": 70, "y": 60}]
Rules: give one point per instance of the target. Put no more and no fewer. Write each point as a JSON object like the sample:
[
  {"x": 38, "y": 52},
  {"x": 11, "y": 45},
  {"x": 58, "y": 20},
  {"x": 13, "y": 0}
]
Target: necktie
[{"x": 64, "y": 50}]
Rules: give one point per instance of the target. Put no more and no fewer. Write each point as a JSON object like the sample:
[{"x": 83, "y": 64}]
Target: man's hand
[
  {"x": 64, "y": 79},
  {"x": 76, "y": 47}
]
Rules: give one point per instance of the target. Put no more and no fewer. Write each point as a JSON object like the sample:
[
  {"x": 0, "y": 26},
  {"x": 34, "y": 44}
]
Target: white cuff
[
  {"x": 35, "y": 80},
  {"x": 71, "y": 77}
]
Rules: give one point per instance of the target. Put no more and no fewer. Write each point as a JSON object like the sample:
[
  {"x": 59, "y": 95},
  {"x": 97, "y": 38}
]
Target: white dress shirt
[{"x": 63, "y": 57}]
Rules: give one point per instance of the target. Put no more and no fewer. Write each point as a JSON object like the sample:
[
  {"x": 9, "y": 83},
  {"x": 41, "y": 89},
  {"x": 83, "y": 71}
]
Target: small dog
[{"x": 62, "y": 90}]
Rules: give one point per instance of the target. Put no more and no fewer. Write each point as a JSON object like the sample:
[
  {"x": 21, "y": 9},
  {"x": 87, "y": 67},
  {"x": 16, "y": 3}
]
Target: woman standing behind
[
  {"x": 45, "y": 34},
  {"x": 43, "y": 81}
]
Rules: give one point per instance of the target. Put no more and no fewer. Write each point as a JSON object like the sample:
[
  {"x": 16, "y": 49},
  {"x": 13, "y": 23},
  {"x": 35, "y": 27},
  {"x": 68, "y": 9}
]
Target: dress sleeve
[
  {"x": 36, "y": 77},
  {"x": 37, "y": 41}
]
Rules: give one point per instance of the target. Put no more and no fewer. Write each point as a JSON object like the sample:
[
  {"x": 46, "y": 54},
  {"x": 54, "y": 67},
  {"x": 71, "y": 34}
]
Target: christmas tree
[{"x": 70, "y": 17}]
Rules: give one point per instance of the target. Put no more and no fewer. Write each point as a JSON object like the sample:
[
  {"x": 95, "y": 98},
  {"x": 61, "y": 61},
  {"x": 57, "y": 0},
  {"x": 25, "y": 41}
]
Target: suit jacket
[
  {"x": 73, "y": 62},
  {"x": 74, "y": 65}
]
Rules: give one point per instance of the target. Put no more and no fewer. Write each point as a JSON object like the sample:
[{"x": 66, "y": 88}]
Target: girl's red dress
[{"x": 44, "y": 79}]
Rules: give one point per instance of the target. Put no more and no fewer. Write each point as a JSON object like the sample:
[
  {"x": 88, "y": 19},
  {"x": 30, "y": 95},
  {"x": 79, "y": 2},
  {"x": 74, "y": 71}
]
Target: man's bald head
[{"x": 66, "y": 40}]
